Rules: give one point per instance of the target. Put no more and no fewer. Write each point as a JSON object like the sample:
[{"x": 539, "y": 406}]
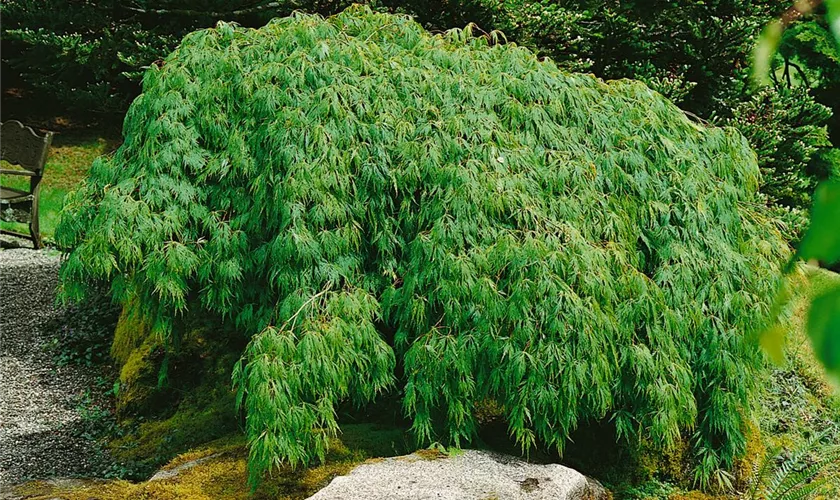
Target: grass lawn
[{"x": 70, "y": 157}]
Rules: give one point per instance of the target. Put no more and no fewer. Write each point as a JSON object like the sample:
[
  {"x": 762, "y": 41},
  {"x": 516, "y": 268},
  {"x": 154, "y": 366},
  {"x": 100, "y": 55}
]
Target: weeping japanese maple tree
[{"x": 354, "y": 192}]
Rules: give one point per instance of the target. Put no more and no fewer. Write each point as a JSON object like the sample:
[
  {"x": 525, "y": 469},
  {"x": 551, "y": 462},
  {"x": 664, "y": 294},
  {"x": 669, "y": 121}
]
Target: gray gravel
[{"x": 38, "y": 399}]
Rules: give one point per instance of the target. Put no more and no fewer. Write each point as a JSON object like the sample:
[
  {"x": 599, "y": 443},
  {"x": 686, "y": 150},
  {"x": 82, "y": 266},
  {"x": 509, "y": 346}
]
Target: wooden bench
[{"x": 22, "y": 146}]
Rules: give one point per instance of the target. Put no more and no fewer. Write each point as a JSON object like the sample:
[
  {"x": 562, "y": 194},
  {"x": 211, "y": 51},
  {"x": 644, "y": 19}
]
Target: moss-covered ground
[
  {"x": 221, "y": 473},
  {"x": 799, "y": 401}
]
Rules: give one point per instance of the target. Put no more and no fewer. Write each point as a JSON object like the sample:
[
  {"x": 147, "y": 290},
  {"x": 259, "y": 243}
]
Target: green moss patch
[
  {"x": 163, "y": 416},
  {"x": 224, "y": 476},
  {"x": 130, "y": 333},
  {"x": 152, "y": 442}
]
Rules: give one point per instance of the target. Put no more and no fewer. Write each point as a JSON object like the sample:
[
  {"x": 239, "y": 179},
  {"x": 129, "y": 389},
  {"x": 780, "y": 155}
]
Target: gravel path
[{"x": 37, "y": 398}]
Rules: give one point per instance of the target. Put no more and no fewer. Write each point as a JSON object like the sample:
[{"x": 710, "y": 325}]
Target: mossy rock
[
  {"x": 131, "y": 332},
  {"x": 139, "y": 390},
  {"x": 155, "y": 441},
  {"x": 138, "y": 356},
  {"x": 203, "y": 356},
  {"x": 170, "y": 398},
  {"x": 673, "y": 464}
]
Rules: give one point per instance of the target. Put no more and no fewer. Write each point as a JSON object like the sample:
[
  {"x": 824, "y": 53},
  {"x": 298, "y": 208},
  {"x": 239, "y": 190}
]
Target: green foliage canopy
[{"x": 372, "y": 205}]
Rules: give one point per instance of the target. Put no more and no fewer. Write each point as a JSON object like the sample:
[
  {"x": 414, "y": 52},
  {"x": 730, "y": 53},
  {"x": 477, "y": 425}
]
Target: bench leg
[
  {"x": 34, "y": 221},
  {"x": 36, "y": 233}
]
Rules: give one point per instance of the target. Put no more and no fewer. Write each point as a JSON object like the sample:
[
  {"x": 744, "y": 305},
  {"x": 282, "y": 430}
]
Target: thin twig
[
  {"x": 787, "y": 73},
  {"x": 695, "y": 117},
  {"x": 294, "y": 316},
  {"x": 801, "y": 73}
]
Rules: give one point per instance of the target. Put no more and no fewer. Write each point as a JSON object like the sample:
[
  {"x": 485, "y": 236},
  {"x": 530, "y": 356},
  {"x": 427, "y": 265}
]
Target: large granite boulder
[{"x": 468, "y": 475}]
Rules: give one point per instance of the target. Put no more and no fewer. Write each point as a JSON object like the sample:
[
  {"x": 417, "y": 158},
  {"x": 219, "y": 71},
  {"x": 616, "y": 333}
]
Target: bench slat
[
  {"x": 8, "y": 194},
  {"x": 6, "y": 171}
]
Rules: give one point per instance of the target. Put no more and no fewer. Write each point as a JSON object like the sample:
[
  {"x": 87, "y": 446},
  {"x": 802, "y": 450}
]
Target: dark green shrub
[
  {"x": 354, "y": 193},
  {"x": 695, "y": 53},
  {"x": 809, "y": 56},
  {"x": 84, "y": 331},
  {"x": 787, "y": 129},
  {"x": 90, "y": 56}
]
